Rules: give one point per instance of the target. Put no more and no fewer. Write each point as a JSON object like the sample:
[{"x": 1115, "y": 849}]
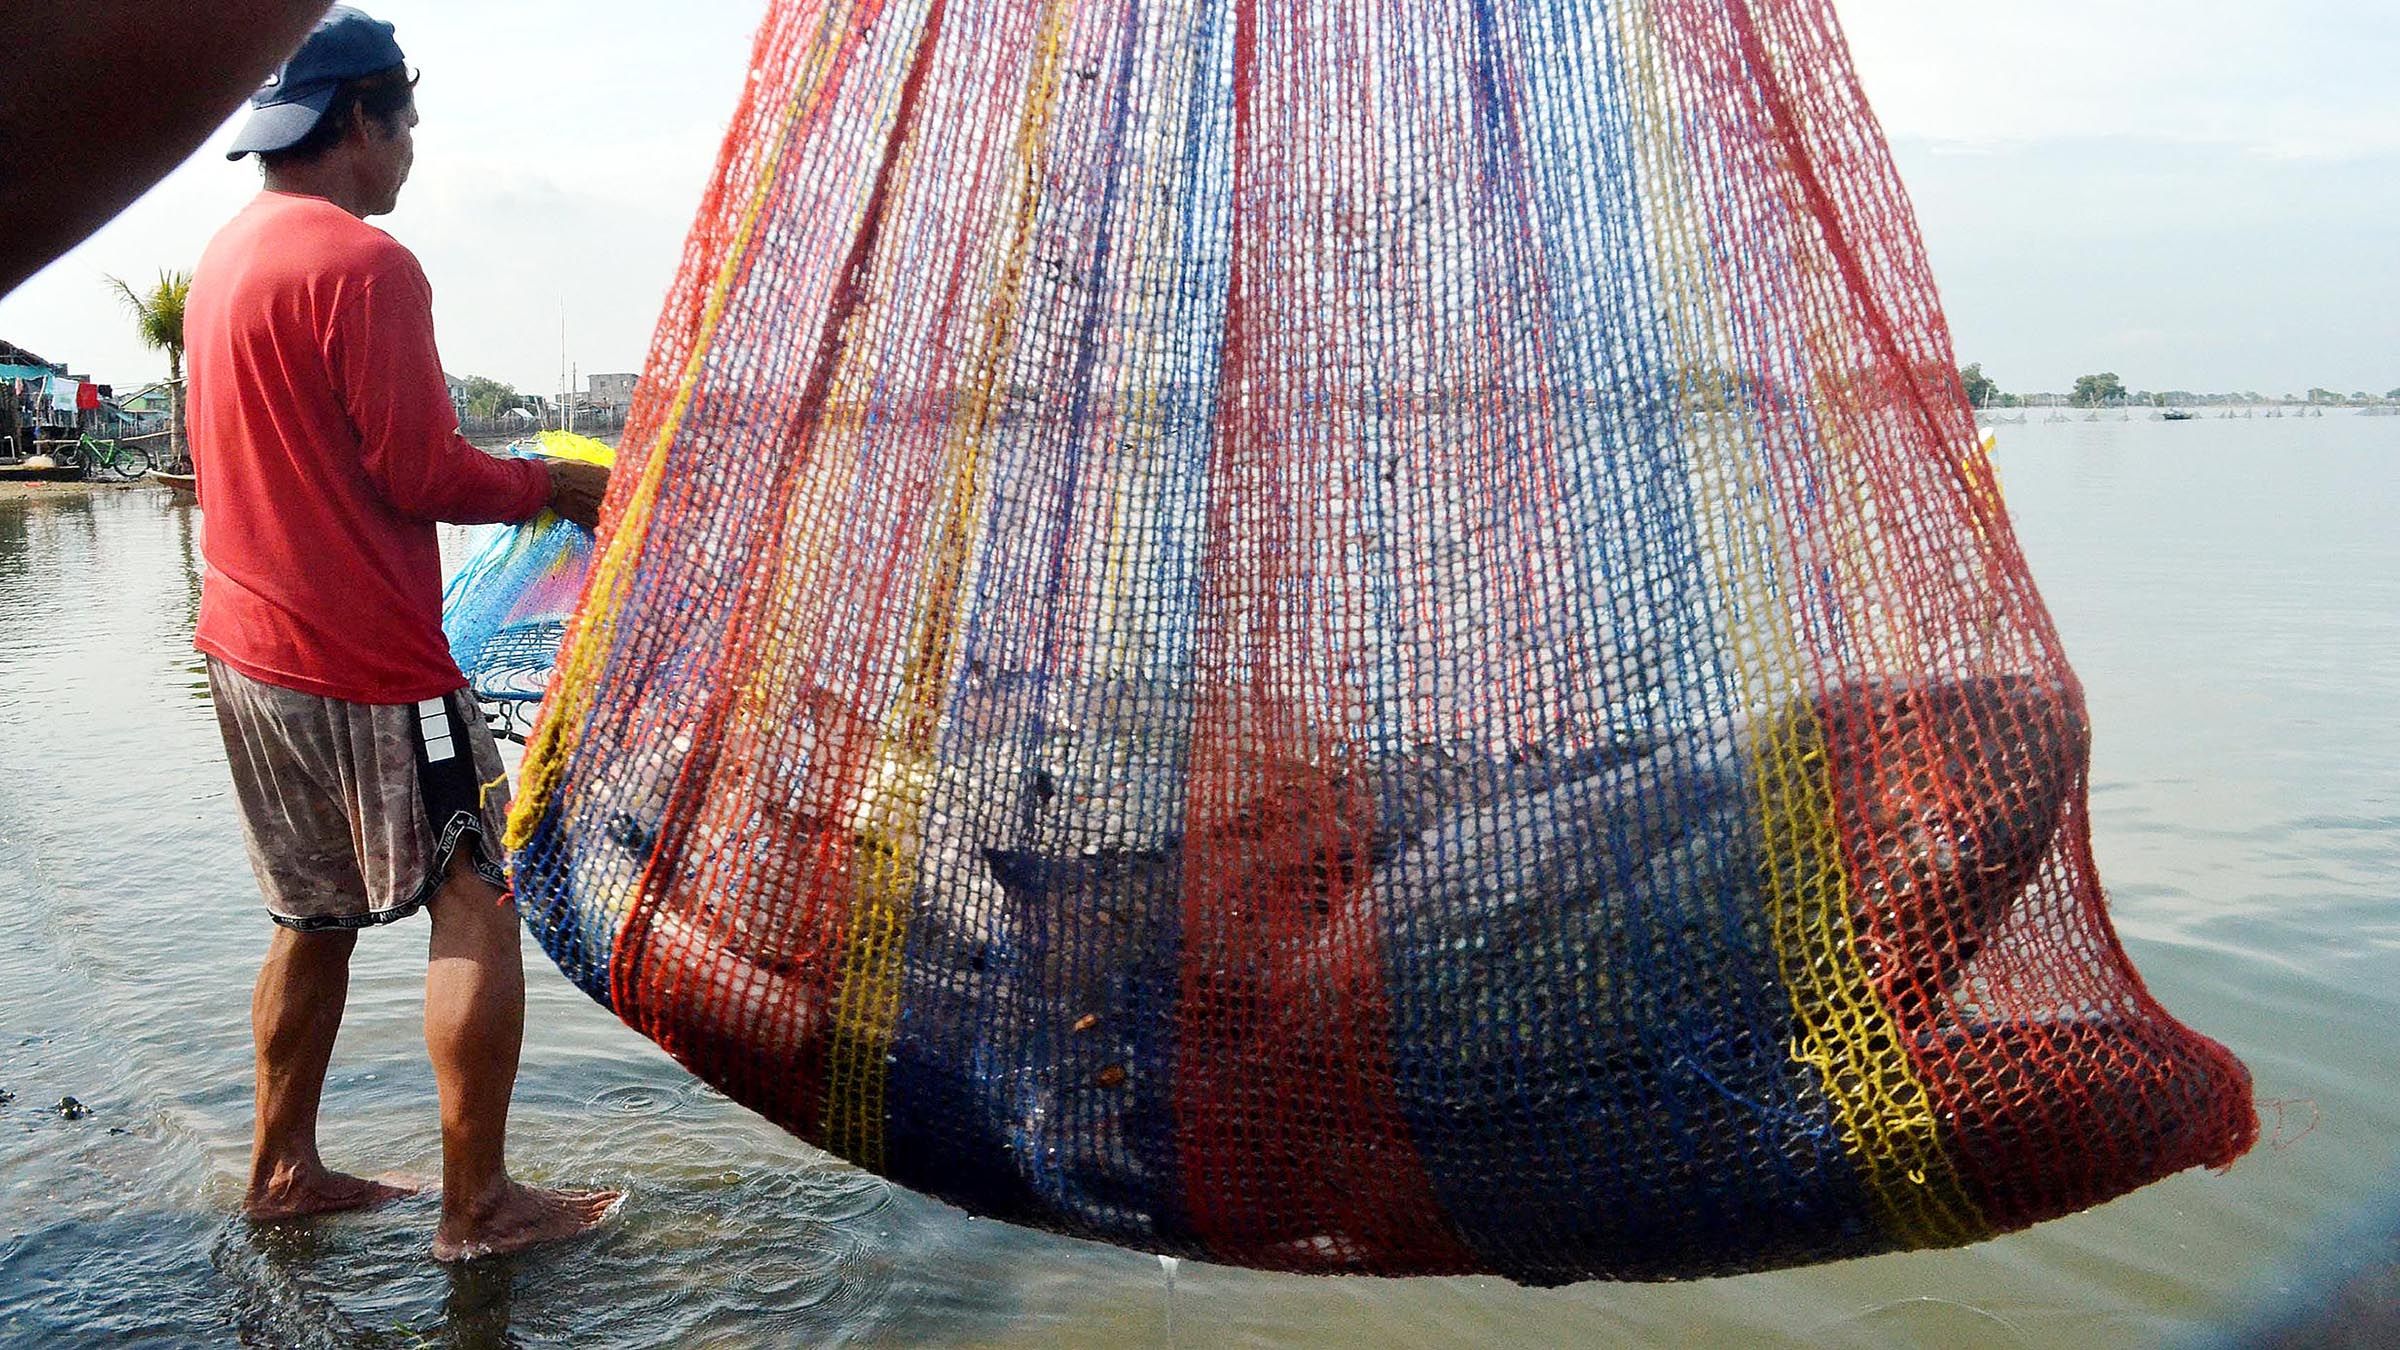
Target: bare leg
[
  {"x": 474, "y": 1027},
  {"x": 295, "y": 1013}
]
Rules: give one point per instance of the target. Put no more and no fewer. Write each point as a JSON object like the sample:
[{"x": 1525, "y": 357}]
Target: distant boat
[{"x": 2178, "y": 415}]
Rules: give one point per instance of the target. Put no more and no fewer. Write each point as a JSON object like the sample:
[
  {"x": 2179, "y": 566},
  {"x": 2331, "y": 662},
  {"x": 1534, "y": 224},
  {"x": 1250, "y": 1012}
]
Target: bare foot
[
  {"x": 511, "y": 1218},
  {"x": 297, "y": 1192}
]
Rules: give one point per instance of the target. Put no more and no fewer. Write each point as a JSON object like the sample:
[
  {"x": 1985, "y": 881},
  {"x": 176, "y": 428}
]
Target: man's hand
[{"x": 577, "y": 489}]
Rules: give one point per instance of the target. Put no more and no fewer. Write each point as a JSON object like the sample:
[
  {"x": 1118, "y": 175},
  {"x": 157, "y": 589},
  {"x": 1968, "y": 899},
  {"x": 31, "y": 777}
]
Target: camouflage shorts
[{"x": 353, "y": 810}]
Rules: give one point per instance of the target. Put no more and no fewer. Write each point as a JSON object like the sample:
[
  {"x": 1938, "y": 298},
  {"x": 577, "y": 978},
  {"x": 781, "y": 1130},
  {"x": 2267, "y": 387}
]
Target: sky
[{"x": 2194, "y": 194}]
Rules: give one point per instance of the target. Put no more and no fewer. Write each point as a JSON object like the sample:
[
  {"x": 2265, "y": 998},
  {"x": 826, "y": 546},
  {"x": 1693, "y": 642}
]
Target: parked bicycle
[{"x": 102, "y": 457}]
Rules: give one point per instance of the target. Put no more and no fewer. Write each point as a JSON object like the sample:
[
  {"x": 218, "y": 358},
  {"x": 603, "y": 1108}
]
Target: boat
[
  {"x": 181, "y": 484},
  {"x": 2178, "y": 415}
]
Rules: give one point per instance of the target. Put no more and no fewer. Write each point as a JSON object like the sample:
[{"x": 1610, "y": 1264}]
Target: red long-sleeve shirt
[{"x": 326, "y": 449}]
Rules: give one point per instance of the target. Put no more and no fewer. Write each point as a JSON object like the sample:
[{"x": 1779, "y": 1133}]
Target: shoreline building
[
  {"x": 613, "y": 393},
  {"x": 44, "y": 403}
]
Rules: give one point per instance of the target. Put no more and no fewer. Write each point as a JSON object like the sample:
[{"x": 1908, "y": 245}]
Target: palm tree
[{"x": 158, "y": 317}]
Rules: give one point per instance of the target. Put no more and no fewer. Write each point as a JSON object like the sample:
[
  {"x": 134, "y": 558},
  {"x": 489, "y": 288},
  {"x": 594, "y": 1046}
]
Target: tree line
[
  {"x": 2106, "y": 390},
  {"x": 488, "y": 399}
]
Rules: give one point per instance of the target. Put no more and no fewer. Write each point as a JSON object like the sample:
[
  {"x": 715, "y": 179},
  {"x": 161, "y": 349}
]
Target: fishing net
[
  {"x": 505, "y": 611},
  {"x": 1346, "y": 638}
]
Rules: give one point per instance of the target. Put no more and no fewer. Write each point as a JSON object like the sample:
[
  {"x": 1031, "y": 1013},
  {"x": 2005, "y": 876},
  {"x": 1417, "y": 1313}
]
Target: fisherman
[{"x": 369, "y": 788}]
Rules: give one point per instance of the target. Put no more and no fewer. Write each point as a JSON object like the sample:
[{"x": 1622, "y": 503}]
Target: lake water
[{"x": 2230, "y": 592}]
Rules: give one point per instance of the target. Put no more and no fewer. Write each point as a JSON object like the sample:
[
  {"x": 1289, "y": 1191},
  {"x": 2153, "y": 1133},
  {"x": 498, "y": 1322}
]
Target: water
[{"x": 2230, "y": 592}]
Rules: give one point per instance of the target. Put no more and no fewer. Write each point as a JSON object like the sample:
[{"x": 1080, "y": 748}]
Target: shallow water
[{"x": 2230, "y": 592}]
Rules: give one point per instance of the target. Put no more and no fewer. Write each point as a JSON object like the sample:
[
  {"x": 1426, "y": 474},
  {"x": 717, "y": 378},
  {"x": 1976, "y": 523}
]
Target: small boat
[
  {"x": 181, "y": 484},
  {"x": 2178, "y": 415}
]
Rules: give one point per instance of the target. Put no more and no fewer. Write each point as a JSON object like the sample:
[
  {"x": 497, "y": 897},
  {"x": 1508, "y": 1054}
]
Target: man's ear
[{"x": 381, "y": 129}]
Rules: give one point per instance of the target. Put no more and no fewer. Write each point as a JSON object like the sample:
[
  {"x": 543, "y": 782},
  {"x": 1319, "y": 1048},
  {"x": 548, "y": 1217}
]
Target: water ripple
[{"x": 637, "y": 1099}]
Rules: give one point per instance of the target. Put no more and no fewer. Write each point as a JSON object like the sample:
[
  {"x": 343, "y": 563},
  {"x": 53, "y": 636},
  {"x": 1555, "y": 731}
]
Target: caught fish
[
  {"x": 1597, "y": 962},
  {"x": 1571, "y": 959},
  {"x": 1581, "y": 948}
]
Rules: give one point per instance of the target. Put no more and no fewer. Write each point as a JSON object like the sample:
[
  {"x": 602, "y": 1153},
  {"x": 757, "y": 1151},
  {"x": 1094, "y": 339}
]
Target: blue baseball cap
[{"x": 345, "y": 45}]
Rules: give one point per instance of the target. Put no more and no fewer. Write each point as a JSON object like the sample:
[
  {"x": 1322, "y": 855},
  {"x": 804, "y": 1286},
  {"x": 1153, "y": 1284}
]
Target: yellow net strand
[
  {"x": 612, "y": 571},
  {"x": 1845, "y": 1034},
  {"x": 892, "y": 814}
]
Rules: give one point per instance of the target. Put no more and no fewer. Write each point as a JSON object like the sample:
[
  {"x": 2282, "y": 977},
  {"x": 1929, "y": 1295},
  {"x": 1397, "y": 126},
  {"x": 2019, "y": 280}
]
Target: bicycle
[{"x": 103, "y": 456}]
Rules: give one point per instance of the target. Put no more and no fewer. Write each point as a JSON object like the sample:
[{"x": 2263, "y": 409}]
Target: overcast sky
[{"x": 2196, "y": 194}]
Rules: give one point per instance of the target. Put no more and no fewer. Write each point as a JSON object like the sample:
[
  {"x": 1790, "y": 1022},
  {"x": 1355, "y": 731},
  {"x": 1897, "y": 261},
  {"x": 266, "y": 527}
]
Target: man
[{"x": 326, "y": 449}]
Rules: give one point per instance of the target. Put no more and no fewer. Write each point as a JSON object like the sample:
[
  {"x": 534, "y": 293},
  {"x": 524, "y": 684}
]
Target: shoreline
[
  {"x": 24, "y": 485},
  {"x": 11, "y": 486}
]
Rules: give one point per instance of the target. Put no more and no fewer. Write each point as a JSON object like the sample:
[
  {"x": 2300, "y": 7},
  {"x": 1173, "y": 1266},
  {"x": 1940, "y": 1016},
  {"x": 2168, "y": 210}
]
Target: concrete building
[{"x": 612, "y": 391}]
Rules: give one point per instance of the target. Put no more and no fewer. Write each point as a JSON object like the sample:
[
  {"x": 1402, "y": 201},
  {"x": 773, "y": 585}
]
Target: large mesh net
[
  {"x": 505, "y": 610},
  {"x": 1346, "y": 637}
]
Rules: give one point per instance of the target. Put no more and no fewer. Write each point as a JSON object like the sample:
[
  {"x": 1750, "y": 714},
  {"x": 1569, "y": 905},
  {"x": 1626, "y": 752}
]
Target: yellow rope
[
  {"x": 892, "y": 811},
  {"x": 612, "y": 571},
  {"x": 1843, "y": 1030}
]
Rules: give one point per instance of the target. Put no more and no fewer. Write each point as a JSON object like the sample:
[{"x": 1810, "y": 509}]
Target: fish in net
[{"x": 1346, "y": 641}]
